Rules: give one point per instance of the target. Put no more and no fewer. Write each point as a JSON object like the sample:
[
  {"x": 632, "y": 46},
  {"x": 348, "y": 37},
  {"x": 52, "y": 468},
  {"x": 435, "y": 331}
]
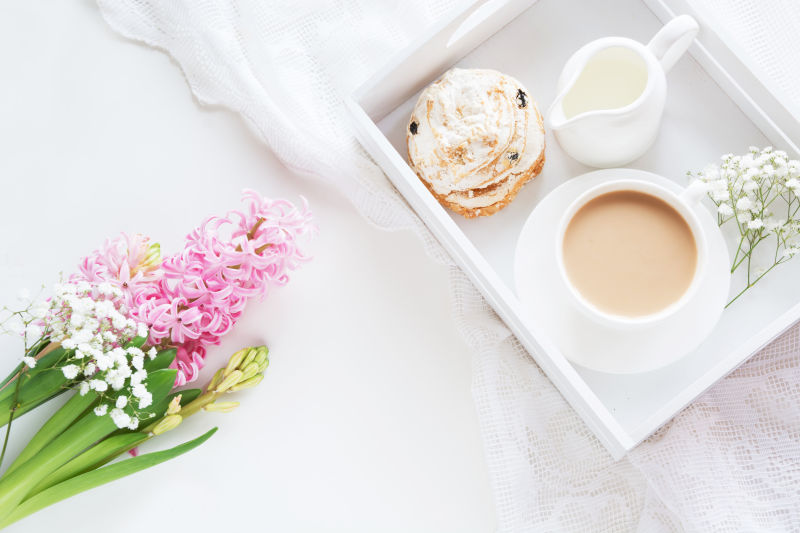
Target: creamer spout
[{"x": 556, "y": 119}]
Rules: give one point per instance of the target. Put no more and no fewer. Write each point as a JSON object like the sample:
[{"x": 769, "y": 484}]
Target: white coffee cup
[{"x": 684, "y": 204}]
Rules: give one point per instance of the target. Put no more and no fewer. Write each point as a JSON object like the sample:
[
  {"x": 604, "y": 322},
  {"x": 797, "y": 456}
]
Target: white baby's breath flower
[
  {"x": 710, "y": 173},
  {"x": 719, "y": 196},
  {"x": 144, "y": 396},
  {"x": 145, "y": 400},
  {"x": 70, "y": 371},
  {"x": 103, "y": 362},
  {"x": 101, "y": 409},
  {"x": 744, "y": 204},
  {"x": 115, "y": 381},
  {"x": 15, "y": 325},
  {"x": 76, "y": 320},
  {"x": 39, "y": 311},
  {"x": 119, "y": 356},
  {"x": 68, "y": 344},
  {"x": 29, "y": 361},
  {"x": 118, "y": 320},
  {"x": 104, "y": 309},
  {"x": 134, "y": 424},
  {"x": 33, "y": 331},
  {"x": 105, "y": 288},
  {"x": 725, "y": 210},
  {"x": 91, "y": 322},
  {"x": 120, "y": 418},
  {"x": 152, "y": 353},
  {"x": 138, "y": 377},
  {"x": 743, "y": 217},
  {"x": 138, "y": 390},
  {"x": 98, "y": 385},
  {"x": 756, "y": 223}
]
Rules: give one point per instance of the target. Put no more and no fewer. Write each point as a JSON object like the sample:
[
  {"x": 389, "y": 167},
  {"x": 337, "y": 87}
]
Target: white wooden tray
[{"x": 715, "y": 104}]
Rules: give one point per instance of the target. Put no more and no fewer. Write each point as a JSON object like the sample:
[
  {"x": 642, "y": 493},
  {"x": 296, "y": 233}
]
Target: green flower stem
[
  {"x": 34, "y": 378},
  {"x": 93, "y": 458},
  {"x": 61, "y": 420},
  {"x": 749, "y": 285},
  {"x": 86, "y": 431},
  {"x": 41, "y": 383},
  {"x": 15, "y": 486},
  {"x": 10, "y": 419},
  {"x": 108, "y": 449},
  {"x": 67, "y": 456},
  {"x": 39, "y": 349},
  {"x": 98, "y": 477}
]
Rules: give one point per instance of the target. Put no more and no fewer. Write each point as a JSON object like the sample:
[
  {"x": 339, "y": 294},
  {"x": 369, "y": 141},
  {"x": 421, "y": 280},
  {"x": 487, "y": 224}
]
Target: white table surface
[{"x": 365, "y": 421}]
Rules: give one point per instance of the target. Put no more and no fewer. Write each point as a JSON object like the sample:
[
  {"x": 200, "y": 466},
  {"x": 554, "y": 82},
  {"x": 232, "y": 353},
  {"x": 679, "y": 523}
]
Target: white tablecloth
[{"x": 729, "y": 462}]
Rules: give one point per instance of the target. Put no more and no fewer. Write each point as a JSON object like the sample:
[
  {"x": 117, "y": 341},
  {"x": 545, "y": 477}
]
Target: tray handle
[{"x": 444, "y": 44}]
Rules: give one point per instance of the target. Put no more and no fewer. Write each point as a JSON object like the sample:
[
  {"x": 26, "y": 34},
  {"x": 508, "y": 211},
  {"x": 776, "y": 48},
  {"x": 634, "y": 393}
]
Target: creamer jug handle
[{"x": 671, "y": 41}]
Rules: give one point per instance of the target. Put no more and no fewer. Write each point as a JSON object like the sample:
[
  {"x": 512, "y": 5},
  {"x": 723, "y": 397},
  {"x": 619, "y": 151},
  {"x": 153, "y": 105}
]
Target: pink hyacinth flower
[{"x": 203, "y": 290}]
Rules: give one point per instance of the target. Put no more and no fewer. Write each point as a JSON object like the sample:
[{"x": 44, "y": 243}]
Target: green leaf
[
  {"x": 98, "y": 477},
  {"x": 189, "y": 395},
  {"x": 14, "y": 487},
  {"x": 60, "y": 421},
  {"x": 43, "y": 368},
  {"x": 186, "y": 396},
  {"x": 32, "y": 393},
  {"x": 93, "y": 458},
  {"x": 136, "y": 341},
  {"x": 160, "y": 384},
  {"x": 162, "y": 360},
  {"x": 40, "y": 345}
]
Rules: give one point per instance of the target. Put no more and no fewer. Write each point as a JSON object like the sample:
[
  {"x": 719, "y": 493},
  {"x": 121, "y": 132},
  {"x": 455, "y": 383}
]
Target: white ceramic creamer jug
[{"x": 611, "y": 95}]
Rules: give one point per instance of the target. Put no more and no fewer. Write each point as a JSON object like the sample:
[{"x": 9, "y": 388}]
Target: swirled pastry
[{"x": 474, "y": 139}]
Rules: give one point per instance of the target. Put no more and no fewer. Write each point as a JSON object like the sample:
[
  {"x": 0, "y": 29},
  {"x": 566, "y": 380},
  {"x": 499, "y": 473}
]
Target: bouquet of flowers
[{"x": 123, "y": 333}]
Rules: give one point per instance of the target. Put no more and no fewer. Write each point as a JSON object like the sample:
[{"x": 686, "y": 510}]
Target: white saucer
[{"x": 587, "y": 343}]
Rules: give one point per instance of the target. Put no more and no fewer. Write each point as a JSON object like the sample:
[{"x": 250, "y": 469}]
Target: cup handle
[
  {"x": 671, "y": 41},
  {"x": 694, "y": 193}
]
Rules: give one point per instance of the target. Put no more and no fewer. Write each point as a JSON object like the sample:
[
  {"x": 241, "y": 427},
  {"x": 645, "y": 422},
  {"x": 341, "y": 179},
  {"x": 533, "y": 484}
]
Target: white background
[{"x": 365, "y": 420}]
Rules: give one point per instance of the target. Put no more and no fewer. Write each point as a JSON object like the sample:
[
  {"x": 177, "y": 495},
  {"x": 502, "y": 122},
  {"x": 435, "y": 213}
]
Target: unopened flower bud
[
  {"x": 174, "y": 406},
  {"x": 235, "y": 360},
  {"x": 232, "y": 379},
  {"x": 248, "y": 383},
  {"x": 261, "y": 357},
  {"x": 249, "y": 371},
  {"x": 167, "y": 423},
  {"x": 216, "y": 379},
  {"x": 221, "y": 407},
  {"x": 249, "y": 357},
  {"x": 153, "y": 257}
]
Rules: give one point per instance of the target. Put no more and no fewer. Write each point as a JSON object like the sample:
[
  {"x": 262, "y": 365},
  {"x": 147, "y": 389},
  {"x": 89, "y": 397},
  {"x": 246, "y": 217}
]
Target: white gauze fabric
[{"x": 729, "y": 462}]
